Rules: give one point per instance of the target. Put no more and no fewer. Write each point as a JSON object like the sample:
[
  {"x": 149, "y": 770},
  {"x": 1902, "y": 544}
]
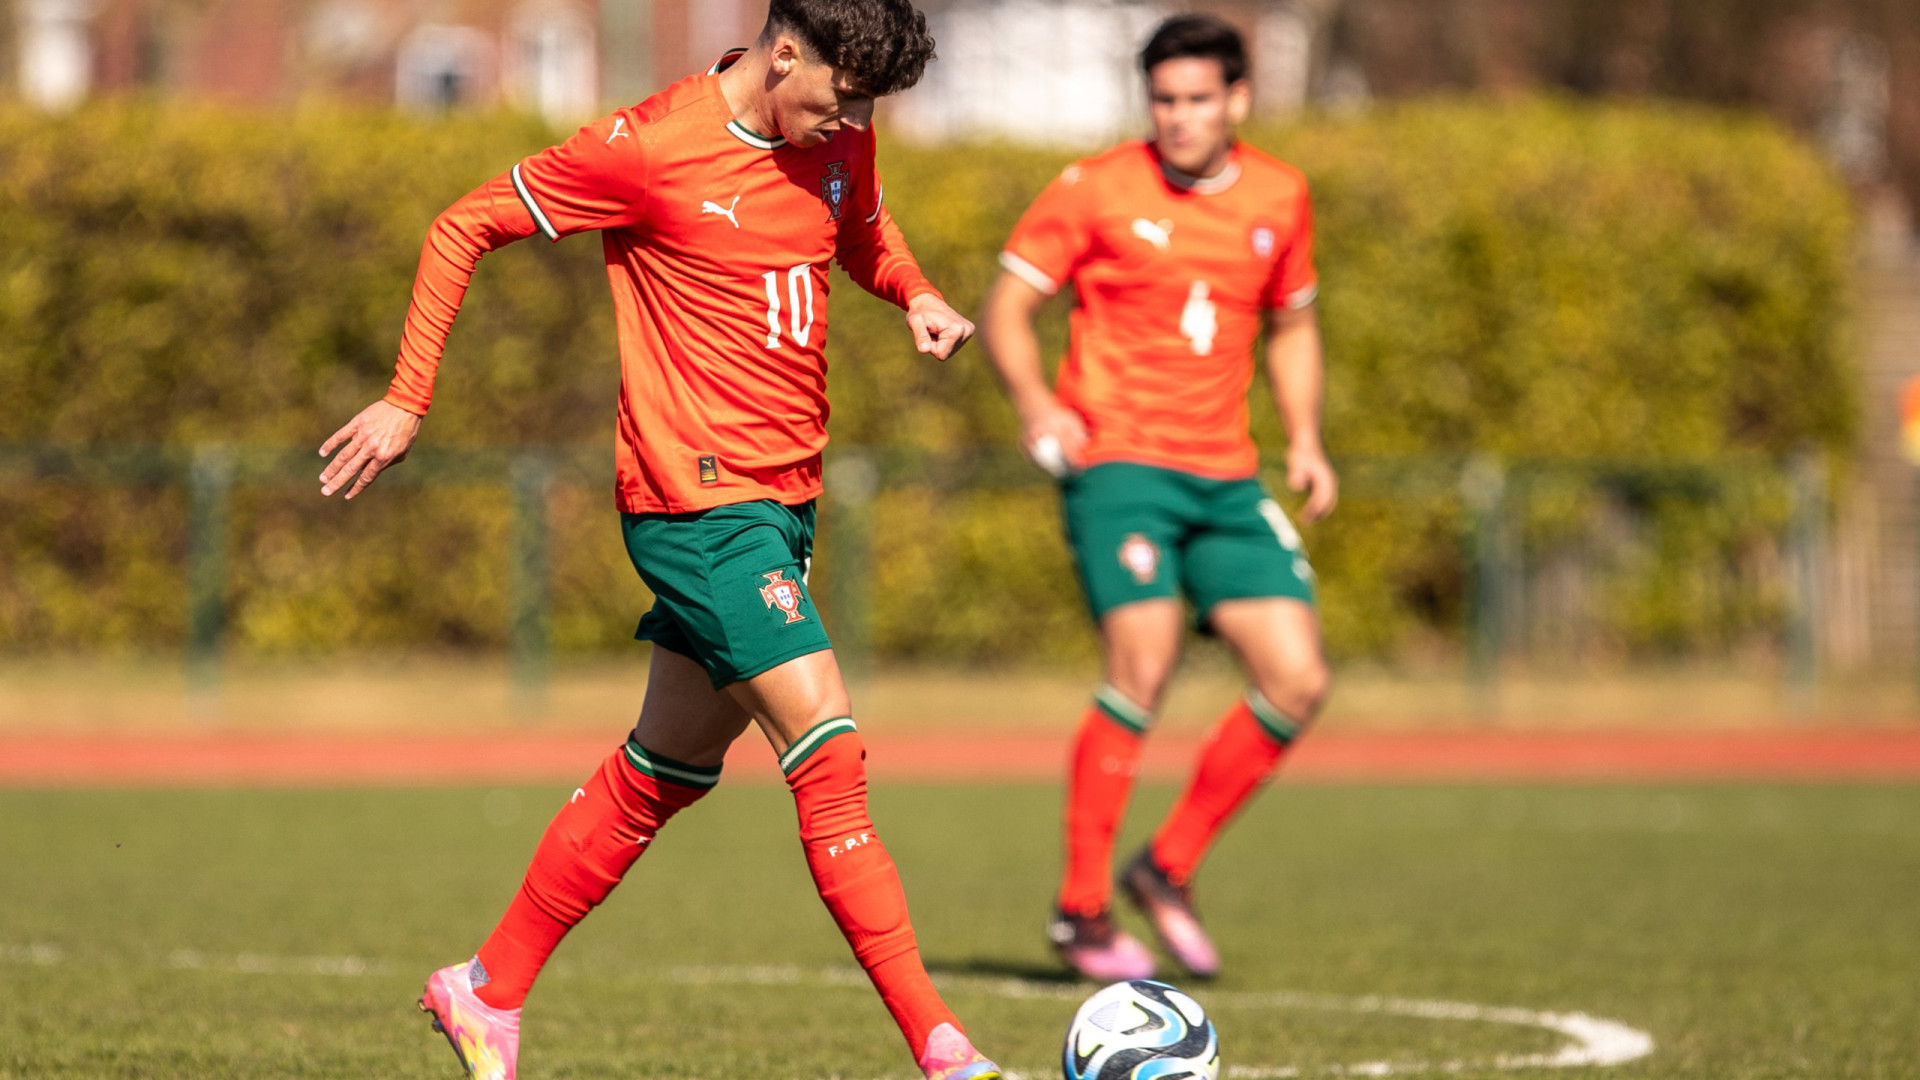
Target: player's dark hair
[
  {"x": 882, "y": 45},
  {"x": 1203, "y": 36}
]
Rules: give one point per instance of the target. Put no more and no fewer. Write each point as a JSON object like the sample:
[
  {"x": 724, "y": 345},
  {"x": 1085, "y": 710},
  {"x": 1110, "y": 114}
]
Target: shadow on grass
[{"x": 993, "y": 967}]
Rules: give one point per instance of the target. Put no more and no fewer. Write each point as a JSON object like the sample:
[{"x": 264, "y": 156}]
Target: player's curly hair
[
  {"x": 1204, "y": 36},
  {"x": 882, "y": 45}
]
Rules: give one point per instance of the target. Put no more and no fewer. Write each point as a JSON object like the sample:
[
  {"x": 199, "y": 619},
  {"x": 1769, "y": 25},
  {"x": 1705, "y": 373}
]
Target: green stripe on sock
[
  {"x": 804, "y": 746},
  {"x": 1121, "y": 710},
  {"x": 669, "y": 770},
  {"x": 1282, "y": 727}
]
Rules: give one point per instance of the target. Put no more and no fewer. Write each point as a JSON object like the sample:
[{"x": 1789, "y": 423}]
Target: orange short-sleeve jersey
[
  {"x": 718, "y": 242},
  {"x": 1172, "y": 276}
]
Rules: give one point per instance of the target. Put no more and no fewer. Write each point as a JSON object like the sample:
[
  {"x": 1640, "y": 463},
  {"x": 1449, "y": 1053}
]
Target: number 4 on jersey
[{"x": 796, "y": 278}]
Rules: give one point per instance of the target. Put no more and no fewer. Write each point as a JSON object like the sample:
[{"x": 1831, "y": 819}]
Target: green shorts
[
  {"x": 1140, "y": 532},
  {"x": 729, "y": 585}
]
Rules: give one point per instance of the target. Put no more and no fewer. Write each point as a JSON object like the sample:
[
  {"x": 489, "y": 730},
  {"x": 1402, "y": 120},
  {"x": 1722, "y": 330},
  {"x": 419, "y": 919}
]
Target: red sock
[
  {"x": 1106, "y": 754},
  {"x": 856, "y": 877},
  {"x": 1241, "y": 753},
  {"x": 584, "y": 854}
]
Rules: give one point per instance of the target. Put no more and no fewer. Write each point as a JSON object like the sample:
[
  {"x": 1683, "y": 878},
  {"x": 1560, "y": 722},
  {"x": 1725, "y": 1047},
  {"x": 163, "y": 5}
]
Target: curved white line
[{"x": 1595, "y": 1041}]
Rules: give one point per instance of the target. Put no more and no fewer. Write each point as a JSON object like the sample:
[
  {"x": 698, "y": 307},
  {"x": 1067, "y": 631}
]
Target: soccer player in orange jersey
[
  {"x": 720, "y": 203},
  {"x": 1180, "y": 250}
]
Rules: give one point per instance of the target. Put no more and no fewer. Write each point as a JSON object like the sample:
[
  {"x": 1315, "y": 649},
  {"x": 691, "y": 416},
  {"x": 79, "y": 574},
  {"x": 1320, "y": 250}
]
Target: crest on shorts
[
  {"x": 1263, "y": 242},
  {"x": 833, "y": 188},
  {"x": 780, "y": 593},
  {"x": 1141, "y": 557}
]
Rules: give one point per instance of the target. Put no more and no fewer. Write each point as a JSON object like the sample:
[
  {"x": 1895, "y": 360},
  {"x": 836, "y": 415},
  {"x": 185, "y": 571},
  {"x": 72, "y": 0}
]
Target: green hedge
[{"x": 1533, "y": 280}]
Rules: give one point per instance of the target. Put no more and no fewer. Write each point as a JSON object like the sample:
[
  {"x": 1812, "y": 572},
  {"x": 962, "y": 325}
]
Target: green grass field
[{"x": 1751, "y": 931}]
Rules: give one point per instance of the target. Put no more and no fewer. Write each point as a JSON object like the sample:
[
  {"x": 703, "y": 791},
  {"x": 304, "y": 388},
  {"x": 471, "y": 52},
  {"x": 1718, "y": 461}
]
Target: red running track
[{"x": 1328, "y": 757}]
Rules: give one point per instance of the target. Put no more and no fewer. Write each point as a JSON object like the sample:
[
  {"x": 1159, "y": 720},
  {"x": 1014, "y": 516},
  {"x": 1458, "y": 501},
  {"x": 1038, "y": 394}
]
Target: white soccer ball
[
  {"x": 1141, "y": 1030},
  {"x": 1051, "y": 457}
]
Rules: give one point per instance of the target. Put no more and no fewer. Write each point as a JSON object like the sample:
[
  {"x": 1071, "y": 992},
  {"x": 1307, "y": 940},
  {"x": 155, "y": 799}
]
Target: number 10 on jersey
[{"x": 799, "y": 279}]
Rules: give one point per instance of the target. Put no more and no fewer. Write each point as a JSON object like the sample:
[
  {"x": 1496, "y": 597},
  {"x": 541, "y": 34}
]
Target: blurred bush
[{"x": 1531, "y": 280}]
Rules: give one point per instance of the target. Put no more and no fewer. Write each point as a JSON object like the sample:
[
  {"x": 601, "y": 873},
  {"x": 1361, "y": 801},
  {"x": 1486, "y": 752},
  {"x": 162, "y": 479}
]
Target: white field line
[
  {"x": 38, "y": 953},
  {"x": 266, "y": 964},
  {"x": 1594, "y": 1041},
  {"x": 46, "y": 955}
]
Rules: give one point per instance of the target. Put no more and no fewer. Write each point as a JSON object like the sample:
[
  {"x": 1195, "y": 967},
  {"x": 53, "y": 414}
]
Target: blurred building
[
  {"x": 565, "y": 59},
  {"x": 1847, "y": 72}
]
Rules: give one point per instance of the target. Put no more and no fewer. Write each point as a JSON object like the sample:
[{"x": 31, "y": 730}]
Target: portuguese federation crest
[
  {"x": 1141, "y": 557},
  {"x": 833, "y": 188},
  {"x": 780, "y": 593}
]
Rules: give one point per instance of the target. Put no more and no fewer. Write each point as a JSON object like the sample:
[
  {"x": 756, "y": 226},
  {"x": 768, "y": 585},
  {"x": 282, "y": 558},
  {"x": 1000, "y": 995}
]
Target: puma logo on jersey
[
  {"x": 711, "y": 207},
  {"x": 1158, "y": 233},
  {"x": 618, "y": 123}
]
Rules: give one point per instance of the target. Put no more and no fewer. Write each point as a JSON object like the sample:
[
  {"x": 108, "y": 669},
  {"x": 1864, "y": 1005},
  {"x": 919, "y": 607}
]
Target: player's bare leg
[
  {"x": 804, "y": 709},
  {"x": 683, "y": 716},
  {"x": 1141, "y": 647},
  {"x": 672, "y": 758},
  {"x": 1278, "y": 643}
]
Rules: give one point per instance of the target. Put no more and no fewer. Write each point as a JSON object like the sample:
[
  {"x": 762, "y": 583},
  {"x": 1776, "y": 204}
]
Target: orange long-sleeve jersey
[
  {"x": 1171, "y": 274},
  {"x": 717, "y": 244}
]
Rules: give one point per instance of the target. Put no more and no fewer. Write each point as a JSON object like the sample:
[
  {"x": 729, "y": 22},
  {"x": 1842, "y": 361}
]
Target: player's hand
[
  {"x": 1309, "y": 470},
  {"x": 937, "y": 328},
  {"x": 380, "y": 436},
  {"x": 1053, "y": 436}
]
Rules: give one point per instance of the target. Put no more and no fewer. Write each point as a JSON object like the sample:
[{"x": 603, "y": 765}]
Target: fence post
[
  {"x": 1805, "y": 539},
  {"x": 529, "y": 644},
  {"x": 852, "y": 479},
  {"x": 1483, "y": 486},
  {"x": 209, "y": 485}
]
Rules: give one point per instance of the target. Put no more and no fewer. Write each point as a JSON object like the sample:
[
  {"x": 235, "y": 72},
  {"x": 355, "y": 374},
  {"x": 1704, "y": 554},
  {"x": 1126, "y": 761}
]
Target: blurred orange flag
[{"x": 1910, "y": 419}]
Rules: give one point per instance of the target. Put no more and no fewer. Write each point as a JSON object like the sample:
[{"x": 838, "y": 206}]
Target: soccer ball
[{"x": 1141, "y": 1030}]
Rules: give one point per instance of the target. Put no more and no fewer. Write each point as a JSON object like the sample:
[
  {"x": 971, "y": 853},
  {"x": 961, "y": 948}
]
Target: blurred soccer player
[
  {"x": 1179, "y": 250},
  {"x": 720, "y": 202}
]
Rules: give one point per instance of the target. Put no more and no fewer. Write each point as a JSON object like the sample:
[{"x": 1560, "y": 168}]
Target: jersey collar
[
  {"x": 734, "y": 127},
  {"x": 1200, "y": 185}
]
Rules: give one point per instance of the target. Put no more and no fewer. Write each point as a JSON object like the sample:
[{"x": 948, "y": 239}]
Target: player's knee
[
  {"x": 1299, "y": 687},
  {"x": 1141, "y": 674}
]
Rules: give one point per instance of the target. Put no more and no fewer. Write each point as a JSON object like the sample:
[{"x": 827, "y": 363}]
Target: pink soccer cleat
[
  {"x": 486, "y": 1039},
  {"x": 1094, "y": 947},
  {"x": 950, "y": 1056},
  {"x": 1169, "y": 907}
]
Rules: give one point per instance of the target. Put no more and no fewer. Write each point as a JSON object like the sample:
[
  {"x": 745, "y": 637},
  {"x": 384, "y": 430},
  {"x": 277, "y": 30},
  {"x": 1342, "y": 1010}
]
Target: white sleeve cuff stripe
[
  {"x": 539, "y": 215},
  {"x": 1304, "y": 297},
  {"x": 1028, "y": 273},
  {"x": 879, "y": 200}
]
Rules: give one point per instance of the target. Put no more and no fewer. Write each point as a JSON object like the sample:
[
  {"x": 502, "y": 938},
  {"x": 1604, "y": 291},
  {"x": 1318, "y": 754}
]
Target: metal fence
[{"x": 1537, "y": 541}]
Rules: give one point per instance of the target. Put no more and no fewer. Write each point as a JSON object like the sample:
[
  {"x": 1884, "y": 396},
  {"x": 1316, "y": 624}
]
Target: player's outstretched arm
[
  {"x": 483, "y": 220},
  {"x": 874, "y": 253},
  {"x": 875, "y": 256},
  {"x": 1296, "y": 368},
  {"x": 1052, "y": 435},
  {"x": 594, "y": 180}
]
